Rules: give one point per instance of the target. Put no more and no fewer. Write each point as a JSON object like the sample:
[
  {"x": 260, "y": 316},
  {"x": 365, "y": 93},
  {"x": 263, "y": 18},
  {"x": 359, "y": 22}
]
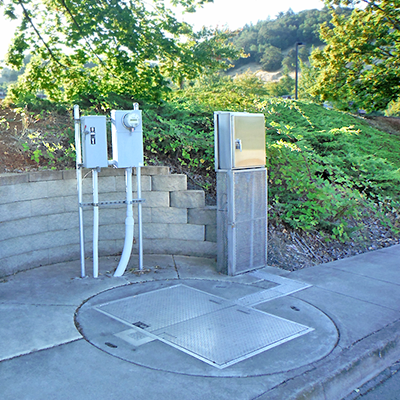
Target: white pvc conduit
[{"x": 129, "y": 225}]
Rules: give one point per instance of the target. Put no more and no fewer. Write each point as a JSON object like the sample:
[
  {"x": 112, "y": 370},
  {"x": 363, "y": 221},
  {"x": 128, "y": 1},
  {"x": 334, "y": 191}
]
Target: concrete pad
[
  {"x": 354, "y": 286},
  {"x": 54, "y": 285},
  {"x": 354, "y": 318},
  {"x": 26, "y": 328},
  {"x": 155, "y": 267},
  {"x": 372, "y": 267},
  {"x": 360, "y": 294},
  {"x": 196, "y": 267},
  {"x": 79, "y": 371}
]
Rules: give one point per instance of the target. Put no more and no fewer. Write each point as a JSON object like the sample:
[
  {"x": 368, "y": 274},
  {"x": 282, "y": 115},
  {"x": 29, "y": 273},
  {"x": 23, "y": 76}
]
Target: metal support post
[
  {"x": 95, "y": 222},
  {"x": 297, "y": 69},
  {"x": 139, "y": 195},
  {"x": 78, "y": 151}
]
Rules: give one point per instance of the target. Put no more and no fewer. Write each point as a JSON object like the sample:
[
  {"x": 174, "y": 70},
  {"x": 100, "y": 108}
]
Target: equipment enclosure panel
[
  {"x": 241, "y": 220},
  {"x": 239, "y": 140},
  {"x": 127, "y": 144},
  {"x": 94, "y": 141},
  {"x": 250, "y": 131}
]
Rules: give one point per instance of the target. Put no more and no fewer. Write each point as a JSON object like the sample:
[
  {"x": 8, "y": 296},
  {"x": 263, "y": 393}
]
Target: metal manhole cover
[{"x": 214, "y": 330}]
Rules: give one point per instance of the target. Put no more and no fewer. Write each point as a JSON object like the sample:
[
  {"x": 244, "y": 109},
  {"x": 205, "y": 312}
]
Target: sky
[{"x": 223, "y": 13}]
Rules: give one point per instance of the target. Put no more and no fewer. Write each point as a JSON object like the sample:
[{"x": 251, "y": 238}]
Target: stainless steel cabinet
[
  {"x": 241, "y": 191},
  {"x": 239, "y": 140}
]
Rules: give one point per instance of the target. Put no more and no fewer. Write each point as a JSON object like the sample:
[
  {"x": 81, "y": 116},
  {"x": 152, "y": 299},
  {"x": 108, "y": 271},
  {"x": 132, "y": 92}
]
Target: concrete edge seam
[{"x": 350, "y": 369}]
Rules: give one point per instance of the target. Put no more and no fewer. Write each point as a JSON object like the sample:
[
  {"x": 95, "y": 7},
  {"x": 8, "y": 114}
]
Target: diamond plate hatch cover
[
  {"x": 163, "y": 307},
  {"x": 214, "y": 330}
]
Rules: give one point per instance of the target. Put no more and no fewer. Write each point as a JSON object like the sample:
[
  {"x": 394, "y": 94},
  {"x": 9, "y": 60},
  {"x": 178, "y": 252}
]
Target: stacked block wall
[{"x": 39, "y": 222}]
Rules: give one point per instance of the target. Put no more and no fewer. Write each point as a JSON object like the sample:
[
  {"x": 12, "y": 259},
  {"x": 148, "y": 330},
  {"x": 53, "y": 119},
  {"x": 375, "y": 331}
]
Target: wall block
[{"x": 39, "y": 222}]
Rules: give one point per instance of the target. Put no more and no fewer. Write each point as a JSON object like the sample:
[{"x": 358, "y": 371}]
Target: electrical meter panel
[
  {"x": 239, "y": 140},
  {"x": 127, "y": 138},
  {"x": 94, "y": 141}
]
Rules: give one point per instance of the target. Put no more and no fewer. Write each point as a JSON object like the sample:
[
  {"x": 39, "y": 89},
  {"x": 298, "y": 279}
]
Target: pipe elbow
[{"x": 126, "y": 252}]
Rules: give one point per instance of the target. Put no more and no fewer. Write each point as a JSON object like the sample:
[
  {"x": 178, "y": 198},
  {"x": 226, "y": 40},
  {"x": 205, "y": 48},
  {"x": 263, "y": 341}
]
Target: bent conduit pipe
[{"x": 129, "y": 224}]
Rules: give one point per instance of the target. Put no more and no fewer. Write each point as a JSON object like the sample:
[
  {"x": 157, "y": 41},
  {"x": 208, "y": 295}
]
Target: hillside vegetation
[
  {"x": 326, "y": 168},
  {"x": 331, "y": 175}
]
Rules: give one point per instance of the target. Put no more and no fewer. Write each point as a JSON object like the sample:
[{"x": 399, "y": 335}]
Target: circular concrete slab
[{"x": 195, "y": 327}]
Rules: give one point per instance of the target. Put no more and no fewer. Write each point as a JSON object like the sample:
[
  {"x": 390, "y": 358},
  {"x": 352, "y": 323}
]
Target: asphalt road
[
  {"x": 385, "y": 386},
  {"x": 387, "y": 390}
]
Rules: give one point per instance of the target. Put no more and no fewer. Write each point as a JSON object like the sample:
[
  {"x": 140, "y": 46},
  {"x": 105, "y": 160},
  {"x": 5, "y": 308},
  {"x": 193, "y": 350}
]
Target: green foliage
[
  {"x": 326, "y": 168},
  {"x": 360, "y": 63},
  {"x": 307, "y": 81},
  {"x": 173, "y": 131},
  {"x": 290, "y": 60},
  {"x": 393, "y": 109},
  {"x": 219, "y": 92},
  {"x": 101, "y": 53},
  {"x": 303, "y": 199},
  {"x": 283, "y": 87},
  {"x": 54, "y": 145},
  {"x": 265, "y": 41},
  {"x": 30, "y": 101},
  {"x": 271, "y": 59},
  {"x": 239, "y": 93}
]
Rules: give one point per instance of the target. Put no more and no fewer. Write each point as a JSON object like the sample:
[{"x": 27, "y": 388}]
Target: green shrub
[
  {"x": 393, "y": 109},
  {"x": 326, "y": 168}
]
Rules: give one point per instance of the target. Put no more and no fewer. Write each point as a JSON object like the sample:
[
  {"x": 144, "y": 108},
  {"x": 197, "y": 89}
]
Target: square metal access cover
[{"x": 210, "y": 328}]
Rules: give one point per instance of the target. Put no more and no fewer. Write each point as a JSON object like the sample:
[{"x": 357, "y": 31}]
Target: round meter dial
[{"x": 131, "y": 120}]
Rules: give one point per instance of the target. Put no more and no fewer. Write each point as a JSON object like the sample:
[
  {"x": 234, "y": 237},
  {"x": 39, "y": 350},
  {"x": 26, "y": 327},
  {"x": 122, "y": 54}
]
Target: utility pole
[{"x": 297, "y": 68}]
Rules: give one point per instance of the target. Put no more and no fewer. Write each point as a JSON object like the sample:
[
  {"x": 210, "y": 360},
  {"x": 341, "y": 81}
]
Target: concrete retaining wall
[{"x": 39, "y": 222}]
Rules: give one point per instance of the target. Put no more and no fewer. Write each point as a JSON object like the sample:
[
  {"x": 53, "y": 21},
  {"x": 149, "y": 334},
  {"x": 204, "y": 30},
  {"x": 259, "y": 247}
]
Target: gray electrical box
[
  {"x": 94, "y": 141},
  {"x": 241, "y": 220},
  {"x": 239, "y": 140},
  {"x": 241, "y": 191},
  {"x": 127, "y": 138}
]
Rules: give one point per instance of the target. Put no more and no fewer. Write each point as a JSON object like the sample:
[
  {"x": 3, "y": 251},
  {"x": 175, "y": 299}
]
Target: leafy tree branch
[
  {"x": 114, "y": 49},
  {"x": 360, "y": 63}
]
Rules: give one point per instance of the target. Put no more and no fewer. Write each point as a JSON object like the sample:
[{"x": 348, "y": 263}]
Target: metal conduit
[{"x": 78, "y": 151}]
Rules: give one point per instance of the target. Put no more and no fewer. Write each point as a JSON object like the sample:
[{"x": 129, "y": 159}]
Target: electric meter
[
  {"x": 127, "y": 138},
  {"x": 131, "y": 120}
]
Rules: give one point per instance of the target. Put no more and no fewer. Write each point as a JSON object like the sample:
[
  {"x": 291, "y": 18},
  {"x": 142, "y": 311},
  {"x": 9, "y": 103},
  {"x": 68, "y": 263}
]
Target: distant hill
[
  {"x": 271, "y": 43},
  {"x": 256, "y": 68}
]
